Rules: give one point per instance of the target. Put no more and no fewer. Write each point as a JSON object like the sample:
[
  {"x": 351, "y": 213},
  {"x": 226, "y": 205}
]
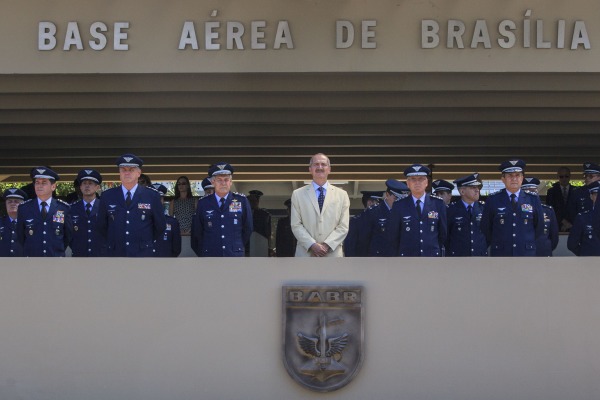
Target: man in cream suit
[{"x": 320, "y": 213}]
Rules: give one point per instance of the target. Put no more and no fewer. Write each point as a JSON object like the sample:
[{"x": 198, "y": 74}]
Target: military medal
[
  {"x": 57, "y": 232},
  {"x": 143, "y": 217},
  {"x": 407, "y": 228},
  {"x": 501, "y": 222},
  {"x": 459, "y": 229},
  {"x": 590, "y": 236},
  {"x": 432, "y": 228},
  {"x": 75, "y": 228},
  {"x": 525, "y": 222},
  {"x": 209, "y": 224},
  {"x": 31, "y": 232}
]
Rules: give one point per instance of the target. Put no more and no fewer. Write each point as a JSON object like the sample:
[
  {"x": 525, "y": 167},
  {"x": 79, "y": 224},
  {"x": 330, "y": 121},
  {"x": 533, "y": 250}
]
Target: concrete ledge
[{"x": 211, "y": 328}]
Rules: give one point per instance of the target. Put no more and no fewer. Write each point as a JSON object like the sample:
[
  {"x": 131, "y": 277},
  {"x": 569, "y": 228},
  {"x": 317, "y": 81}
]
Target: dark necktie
[
  {"x": 419, "y": 209},
  {"x": 565, "y": 194},
  {"x": 44, "y": 211},
  {"x": 88, "y": 209},
  {"x": 470, "y": 211},
  {"x": 321, "y": 198},
  {"x": 14, "y": 224},
  {"x": 513, "y": 201},
  {"x": 128, "y": 199},
  {"x": 222, "y": 201}
]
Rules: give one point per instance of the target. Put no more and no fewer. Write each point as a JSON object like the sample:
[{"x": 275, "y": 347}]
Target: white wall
[{"x": 211, "y": 329}]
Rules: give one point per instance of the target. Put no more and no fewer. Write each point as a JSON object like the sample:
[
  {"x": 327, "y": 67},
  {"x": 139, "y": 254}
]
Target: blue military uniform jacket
[
  {"x": 48, "y": 237},
  {"x": 380, "y": 234},
  {"x": 512, "y": 233},
  {"x": 578, "y": 203},
  {"x": 354, "y": 244},
  {"x": 546, "y": 243},
  {"x": 169, "y": 245},
  {"x": 86, "y": 241},
  {"x": 9, "y": 245},
  {"x": 423, "y": 237},
  {"x": 465, "y": 238},
  {"x": 131, "y": 231},
  {"x": 223, "y": 233},
  {"x": 583, "y": 238}
]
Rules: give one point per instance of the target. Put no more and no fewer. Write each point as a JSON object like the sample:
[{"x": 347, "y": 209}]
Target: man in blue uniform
[
  {"x": 207, "y": 186},
  {"x": 223, "y": 221},
  {"x": 169, "y": 245},
  {"x": 443, "y": 189},
  {"x": 465, "y": 238},
  {"x": 44, "y": 224},
  {"x": 421, "y": 217},
  {"x": 580, "y": 201},
  {"x": 512, "y": 220},
  {"x": 381, "y": 235},
  {"x": 584, "y": 239},
  {"x": 87, "y": 240},
  {"x": 354, "y": 244},
  {"x": 131, "y": 216},
  {"x": 9, "y": 245},
  {"x": 546, "y": 243}
]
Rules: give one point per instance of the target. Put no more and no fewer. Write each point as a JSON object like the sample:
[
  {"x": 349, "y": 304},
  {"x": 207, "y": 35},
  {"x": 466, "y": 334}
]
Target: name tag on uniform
[
  {"x": 526, "y": 208},
  {"x": 144, "y": 206},
  {"x": 59, "y": 217},
  {"x": 432, "y": 214},
  {"x": 235, "y": 206}
]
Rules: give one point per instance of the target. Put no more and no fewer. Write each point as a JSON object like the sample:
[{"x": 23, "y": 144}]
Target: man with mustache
[{"x": 320, "y": 213}]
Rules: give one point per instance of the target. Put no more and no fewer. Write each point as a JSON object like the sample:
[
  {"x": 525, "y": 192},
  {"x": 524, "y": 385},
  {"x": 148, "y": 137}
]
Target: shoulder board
[
  {"x": 239, "y": 194},
  {"x": 546, "y": 206},
  {"x": 76, "y": 201},
  {"x": 63, "y": 202},
  {"x": 584, "y": 212},
  {"x": 433, "y": 196},
  {"x": 154, "y": 190},
  {"x": 481, "y": 202},
  {"x": 27, "y": 201},
  {"x": 495, "y": 193}
]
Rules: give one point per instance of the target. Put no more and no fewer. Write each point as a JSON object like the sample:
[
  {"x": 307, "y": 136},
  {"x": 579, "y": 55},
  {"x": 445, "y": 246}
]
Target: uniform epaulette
[
  {"x": 584, "y": 212},
  {"x": 201, "y": 197},
  {"x": 433, "y": 196},
  {"x": 240, "y": 194},
  {"x": 75, "y": 202},
  {"x": 64, "y": 202},
  {"x": 547, "y": 206},
  {"x": 153, "y": 189},
  {"x": 495, "y": 193},
  {"x": 26, "y": 201},
  {"x": 481, "y": 202}
]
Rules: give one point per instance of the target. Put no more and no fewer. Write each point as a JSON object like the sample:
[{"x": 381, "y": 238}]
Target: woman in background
[{"x": 184, "y": 204}]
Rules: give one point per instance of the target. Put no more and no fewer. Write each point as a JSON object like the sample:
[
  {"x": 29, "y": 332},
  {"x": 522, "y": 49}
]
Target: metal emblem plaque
[{"x": 323, "y": 335}]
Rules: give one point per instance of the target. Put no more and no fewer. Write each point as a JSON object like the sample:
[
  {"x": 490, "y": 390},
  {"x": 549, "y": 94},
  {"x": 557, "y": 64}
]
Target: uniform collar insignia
[{"x": 128, "y": 159}]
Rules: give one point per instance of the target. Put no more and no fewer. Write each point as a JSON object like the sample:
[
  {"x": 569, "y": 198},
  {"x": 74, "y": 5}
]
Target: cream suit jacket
[{"x": 311, "y": 226}]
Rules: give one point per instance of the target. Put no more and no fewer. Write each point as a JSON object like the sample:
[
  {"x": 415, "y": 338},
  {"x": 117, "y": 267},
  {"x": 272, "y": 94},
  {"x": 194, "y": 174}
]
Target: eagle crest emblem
[
  {"x": 40, "y": 170},
  {"x": 88, "y": 171},
  {"x": 323, "y": 335},
  {"x": 128, "y": 159},
  {"x": 221, "y": 166}
]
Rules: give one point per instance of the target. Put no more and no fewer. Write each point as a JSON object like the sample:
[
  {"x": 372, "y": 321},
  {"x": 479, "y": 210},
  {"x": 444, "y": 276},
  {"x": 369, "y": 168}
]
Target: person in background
[
  {"x": 261, "y": 218},
  {"x": 580, "y": 201},
  {"x": 87, "y": 240},
  {"x": 169, "y": 245},
  {"x": 559, "y": 195},
  {"x": 285, "y": 241},
  {"x": 355, "y": 244},
  {"x": 76, "y": 195},
  {"x": 545, "y": 244},
  {"x": 184, "y": 204},
  {"x": 443, "y": 189},
  {"x": 207, "y": 186},
  {"x": 584, "y": 238},
  {"x": 144, "y": 180},
  {"x": 9, "y": 245}
]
